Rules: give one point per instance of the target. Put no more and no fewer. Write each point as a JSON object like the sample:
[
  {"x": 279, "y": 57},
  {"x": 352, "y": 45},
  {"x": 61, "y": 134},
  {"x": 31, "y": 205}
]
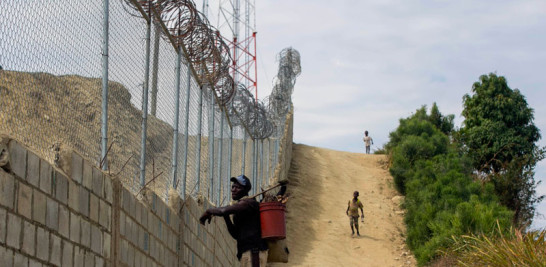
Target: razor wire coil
[{"x": 180, "y": 25}]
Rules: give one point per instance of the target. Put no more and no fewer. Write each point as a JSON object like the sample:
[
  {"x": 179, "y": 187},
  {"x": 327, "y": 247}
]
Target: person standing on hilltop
[
  {"x": 352, "y": 212},
  {"x": 367, "y": 141}
]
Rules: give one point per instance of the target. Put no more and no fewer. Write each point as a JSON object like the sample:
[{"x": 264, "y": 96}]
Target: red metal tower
[{"x": 228, "y": 19}]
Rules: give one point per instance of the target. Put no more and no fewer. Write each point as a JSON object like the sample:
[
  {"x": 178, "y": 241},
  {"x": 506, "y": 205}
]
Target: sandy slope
[{"x": 322, "y": 181}]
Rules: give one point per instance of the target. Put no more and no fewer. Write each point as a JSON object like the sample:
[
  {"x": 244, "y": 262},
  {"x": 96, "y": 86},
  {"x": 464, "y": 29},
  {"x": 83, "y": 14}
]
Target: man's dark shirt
[{"x": 246, "y": 227}]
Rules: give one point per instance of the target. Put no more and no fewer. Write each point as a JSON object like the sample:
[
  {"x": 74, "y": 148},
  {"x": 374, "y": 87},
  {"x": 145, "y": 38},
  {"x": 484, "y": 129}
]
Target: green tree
[
  {"x": 516, "y": 187},
  {"x": 444, "y": 123},
  {"x": 443, "y": 201},
  {"x": 442, "y": 197},
  {"x": 416, "y": 138},
  {"x": 500, "y": 137}
]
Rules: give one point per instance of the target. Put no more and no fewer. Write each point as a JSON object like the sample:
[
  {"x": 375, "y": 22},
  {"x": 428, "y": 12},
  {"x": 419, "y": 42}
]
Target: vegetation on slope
[
  {"x": 474, "y": 181},
  {"x": 497, "y": 249}
]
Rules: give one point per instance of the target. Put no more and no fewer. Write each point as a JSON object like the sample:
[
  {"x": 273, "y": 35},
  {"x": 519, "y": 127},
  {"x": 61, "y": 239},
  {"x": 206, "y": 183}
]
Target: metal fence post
[
  {"x": 254, "y": 152},
  {"x": 262, "y": 162},
  {"x": 199, "y": 136},
  {"x": 267, "y": 162},
  {"x": 258, "y": 171},
  {"x": 230, "y": 160},
  {"x": 243, "y": 154},
  {"x": 186, "y": 133},
  {"x": 211, "y": 147},
  {"x": 258, "y": 161},
  {"x": 230, "y": 150},
  {"x": 104, "y": 119},
  {"x": 145, "y": 106},
  {"x": 155, "y": 67},
  {"x": 269, "y": 159},
  {"x": 220, "y": 148},
  {"x": 176, "y": 121},
  {"x": 276, "y": 151}
]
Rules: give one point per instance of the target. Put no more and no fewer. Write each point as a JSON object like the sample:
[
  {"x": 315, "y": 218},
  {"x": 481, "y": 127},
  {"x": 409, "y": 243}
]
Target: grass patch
[{"x": 512, "y": 249}]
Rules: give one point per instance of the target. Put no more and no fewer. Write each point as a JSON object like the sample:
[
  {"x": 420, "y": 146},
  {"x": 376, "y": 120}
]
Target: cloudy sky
[{"x": 366, "y": 64}]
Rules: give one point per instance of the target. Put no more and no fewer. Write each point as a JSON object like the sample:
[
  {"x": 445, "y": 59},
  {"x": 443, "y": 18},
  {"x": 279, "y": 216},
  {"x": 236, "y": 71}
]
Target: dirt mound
[
  {"x": 322, "y": 182},
  {"x": 46, "y": 112}
]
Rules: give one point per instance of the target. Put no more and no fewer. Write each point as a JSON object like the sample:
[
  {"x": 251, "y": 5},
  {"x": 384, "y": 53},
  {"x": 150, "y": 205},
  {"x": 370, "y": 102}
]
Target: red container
[{"x": 272, "y": 220}]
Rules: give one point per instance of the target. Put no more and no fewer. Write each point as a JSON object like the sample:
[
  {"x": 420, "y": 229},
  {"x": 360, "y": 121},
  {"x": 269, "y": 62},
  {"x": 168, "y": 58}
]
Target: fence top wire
[{"x": 209, "y": 56}]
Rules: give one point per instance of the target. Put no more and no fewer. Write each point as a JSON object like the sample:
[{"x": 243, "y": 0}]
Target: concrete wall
[
  {"x": 47, "y": 217},
  {"x": 87, "y": 218},
  {"x": 73, "y": 214}
]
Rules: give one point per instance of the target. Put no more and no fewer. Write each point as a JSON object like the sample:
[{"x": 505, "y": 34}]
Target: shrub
[
  {"x": 442, "y": 198},
  {"x": 415, "y": 139},
  {"x": 501, "y": 249},
  {"x": 442, "y": 201}
]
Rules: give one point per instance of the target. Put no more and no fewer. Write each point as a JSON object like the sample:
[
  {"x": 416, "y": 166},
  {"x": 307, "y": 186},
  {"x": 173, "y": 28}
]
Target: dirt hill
[
  {"x": 49, "y": 113},
  {"x": 322, "y": 182},
  {"x": 44, "y": 111}
]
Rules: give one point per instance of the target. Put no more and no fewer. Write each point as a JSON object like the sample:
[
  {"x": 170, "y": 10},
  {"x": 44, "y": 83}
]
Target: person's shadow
[{"x": 367, "y": 237}]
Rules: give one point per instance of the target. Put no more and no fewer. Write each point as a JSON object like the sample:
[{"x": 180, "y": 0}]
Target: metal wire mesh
[
  {"x": 35, "y": 100},
  {"x": 50, "y": 94}
]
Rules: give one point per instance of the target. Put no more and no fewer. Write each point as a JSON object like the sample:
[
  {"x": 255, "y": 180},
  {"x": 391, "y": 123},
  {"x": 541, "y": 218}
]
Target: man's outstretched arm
[{"x": 223, "y": 211}]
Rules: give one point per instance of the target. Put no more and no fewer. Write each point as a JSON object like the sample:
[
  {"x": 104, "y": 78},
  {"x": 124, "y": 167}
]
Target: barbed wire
[
  {"x": 219, "y": 126},
  {"x": 280, "y": 100},
  {"x": 211, "y": 59}
]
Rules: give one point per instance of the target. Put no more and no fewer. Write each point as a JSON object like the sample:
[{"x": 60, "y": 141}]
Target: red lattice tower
[{"x": 230, "y": 19}]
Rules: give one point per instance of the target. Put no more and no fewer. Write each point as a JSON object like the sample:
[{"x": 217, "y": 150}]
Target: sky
[{"x": 366, "y": 64}]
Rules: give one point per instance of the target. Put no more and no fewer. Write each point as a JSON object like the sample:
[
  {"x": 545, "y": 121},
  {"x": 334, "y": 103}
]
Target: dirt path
[{"x": 322, "y": 182}]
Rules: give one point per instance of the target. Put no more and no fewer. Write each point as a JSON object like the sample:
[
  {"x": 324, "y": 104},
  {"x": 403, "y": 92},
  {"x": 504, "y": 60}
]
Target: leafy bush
[
  {"x": 473, "y": 181},
  {"x": 415, "y": 139},
  {"x": 380, "y": 151},
  {"x": 443, "y": 201}
]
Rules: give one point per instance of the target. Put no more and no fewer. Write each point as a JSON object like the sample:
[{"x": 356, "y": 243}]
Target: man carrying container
[{"x": 245, "y": 228}]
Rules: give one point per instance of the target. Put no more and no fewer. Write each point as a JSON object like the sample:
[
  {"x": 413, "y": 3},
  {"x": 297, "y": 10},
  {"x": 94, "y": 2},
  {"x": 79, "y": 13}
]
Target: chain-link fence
[{"x": 77, "y": 75}]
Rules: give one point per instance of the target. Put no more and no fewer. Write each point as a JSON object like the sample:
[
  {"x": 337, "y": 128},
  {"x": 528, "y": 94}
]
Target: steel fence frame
[{"x": 187, "y": 142}]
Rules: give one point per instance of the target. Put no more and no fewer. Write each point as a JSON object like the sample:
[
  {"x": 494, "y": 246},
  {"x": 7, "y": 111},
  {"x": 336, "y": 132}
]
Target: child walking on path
[{"x": 352, "y": 212}]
